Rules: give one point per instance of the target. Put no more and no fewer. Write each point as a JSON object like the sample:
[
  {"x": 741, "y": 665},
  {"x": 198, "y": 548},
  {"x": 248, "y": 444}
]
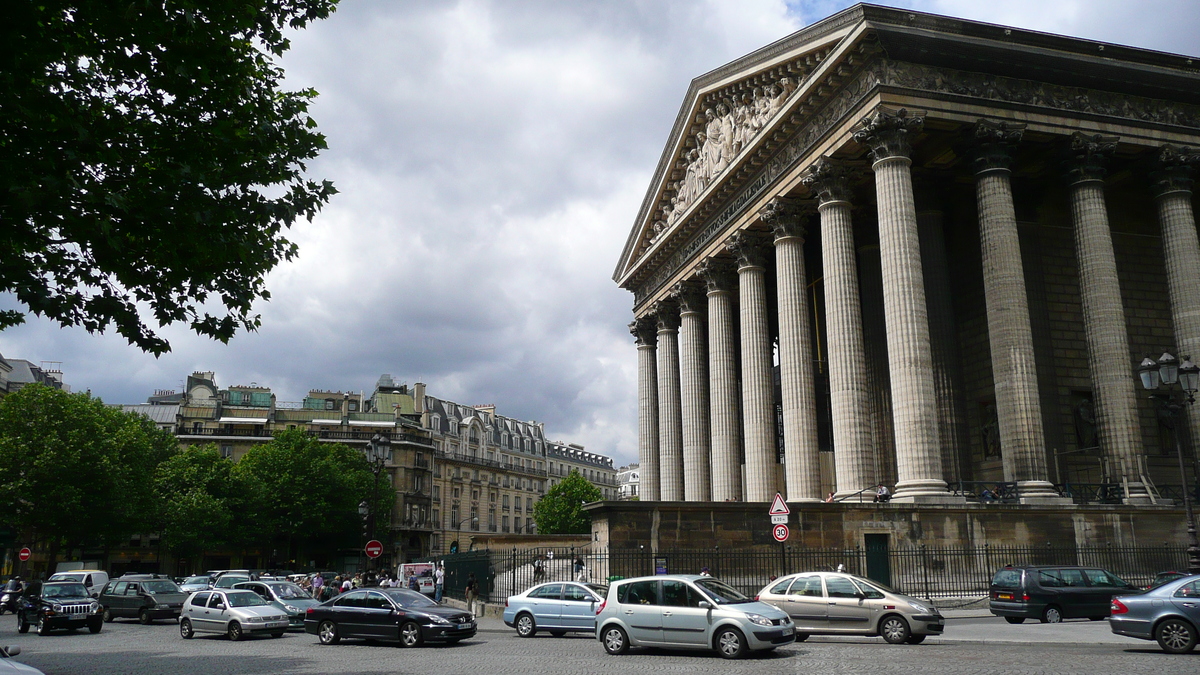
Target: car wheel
[
  {"x": 558, "y": 633},
  {"x": 43, "y": 628},
  {"x": 327, "y": 633},
  {"x": 108, "y": 615},
  {"x": 894, "y": 629},
  {"x": 801, "y": 637},
  {"x": 915, "y": 639},
  {"x": 730, "y": 643},
  {"x": 185, "y": 629},
  {"x": 410, "y": 634},
  {"x": 615, "y": 640},
  {"x": 1052, "y": 614},
  {"x": 525, "y": 626},
  {"x": 144, "y": 618},
  {"x": 22, "y": 624},
  {"x": 1175, "y": 636},
  {"x": 95, "y": 626},
  {"x": 1015, "y": 619},
  {"x": 234, "y": 631}
]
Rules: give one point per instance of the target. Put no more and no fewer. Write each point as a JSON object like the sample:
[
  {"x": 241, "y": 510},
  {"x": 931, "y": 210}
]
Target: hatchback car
[
  {"x": 285, "y": 595},
  {"x": 556, "y": 607},
  {"x": 59, "y": 604},
  {"x": 232, "y": 612},
  {"x": 688, "y": 612},
  {"x": 142, "y": 596},
  {"x": 1169, "y": 614},
  {"x": 388, "y": 614},
  {"x": 1054, "y": 593},
  {"x": 831, "y": 603}
]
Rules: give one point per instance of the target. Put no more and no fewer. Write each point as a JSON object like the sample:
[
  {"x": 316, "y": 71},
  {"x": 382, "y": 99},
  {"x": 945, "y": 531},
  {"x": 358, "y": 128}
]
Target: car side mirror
[
  {"x": 95, "y": 596},
  {"x": 860, "y": 595},
  {"x": 704, "y": 604}
]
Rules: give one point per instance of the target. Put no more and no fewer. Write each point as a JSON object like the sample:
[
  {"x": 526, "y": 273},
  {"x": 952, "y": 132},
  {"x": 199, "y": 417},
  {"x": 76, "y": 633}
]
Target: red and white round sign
[
  {"x": 374, "y": 548},
  {"x": 780, "y": 532},
  {"x": 25, "y": 554}
]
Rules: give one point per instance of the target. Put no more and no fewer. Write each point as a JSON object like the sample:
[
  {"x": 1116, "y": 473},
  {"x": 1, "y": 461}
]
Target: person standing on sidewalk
[
  {"x": 472, "y": 593},
  {"x": 439, "y": 583}
]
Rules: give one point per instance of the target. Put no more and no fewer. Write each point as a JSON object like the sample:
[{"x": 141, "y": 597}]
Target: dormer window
[{"x": 353, "y": 406}]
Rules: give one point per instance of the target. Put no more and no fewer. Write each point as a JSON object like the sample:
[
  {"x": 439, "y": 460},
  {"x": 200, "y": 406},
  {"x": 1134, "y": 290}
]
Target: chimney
[{"x": 419, "y": 398}]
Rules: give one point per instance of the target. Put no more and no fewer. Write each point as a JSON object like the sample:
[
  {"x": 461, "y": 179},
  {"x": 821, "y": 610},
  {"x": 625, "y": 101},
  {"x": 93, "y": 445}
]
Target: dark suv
[
  {"x": 58, "y": 604},
  {"x": 1052, "y": 593},
  {"x": 143, "y": 596}
]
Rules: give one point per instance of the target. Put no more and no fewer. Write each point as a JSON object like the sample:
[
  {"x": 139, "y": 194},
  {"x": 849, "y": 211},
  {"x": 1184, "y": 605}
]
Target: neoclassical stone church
[{"x": 914, "y": 250}]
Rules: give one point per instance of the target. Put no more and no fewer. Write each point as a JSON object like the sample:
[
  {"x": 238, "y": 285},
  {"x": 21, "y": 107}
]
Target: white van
[{"x": 93, "y": 579}]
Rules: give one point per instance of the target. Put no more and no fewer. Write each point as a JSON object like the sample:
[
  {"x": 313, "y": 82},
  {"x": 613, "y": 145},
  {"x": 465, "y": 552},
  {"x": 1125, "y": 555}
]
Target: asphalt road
[{"x": 973, "y": 644}]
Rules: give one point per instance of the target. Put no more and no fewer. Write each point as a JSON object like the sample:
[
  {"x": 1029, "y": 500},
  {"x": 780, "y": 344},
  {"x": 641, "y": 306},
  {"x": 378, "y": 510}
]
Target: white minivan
[{"x": 93, "y": 579}]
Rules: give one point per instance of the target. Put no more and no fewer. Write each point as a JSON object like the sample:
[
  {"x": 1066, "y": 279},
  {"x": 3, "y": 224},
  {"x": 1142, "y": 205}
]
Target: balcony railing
[
  {"x": 480, "y": 461},
  {"x": 395, "y": 437},
  {"x": 415, "y": 525}
]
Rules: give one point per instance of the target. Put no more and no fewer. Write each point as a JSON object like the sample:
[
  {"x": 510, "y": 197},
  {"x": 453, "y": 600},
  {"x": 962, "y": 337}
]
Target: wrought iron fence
[{"x": 927, "y": 572}]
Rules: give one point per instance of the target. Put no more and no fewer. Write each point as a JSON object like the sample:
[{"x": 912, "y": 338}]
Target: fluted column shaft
[
  {"x": 1109, "y": 358},
  {"x": 1010, "y": 334},
  {"x": 693, "y": 365},
  {"x": 647, "y": 411},
  {"x": 879, "y": 380},
  {"x": 758, "y": 412},
  {"x": 670, "y": 414},
  {"x": 724, "y": 397}
]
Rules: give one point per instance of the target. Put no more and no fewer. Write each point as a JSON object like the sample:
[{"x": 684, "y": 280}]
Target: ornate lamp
[
  {"x": 1189, "y": 377},
  {"x": 1148, "y": 370},
  {"x": 1168, "y": 369}
]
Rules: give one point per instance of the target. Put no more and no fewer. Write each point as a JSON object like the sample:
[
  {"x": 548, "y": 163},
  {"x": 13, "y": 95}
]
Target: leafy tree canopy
[
  {"x": 149, "y": 161},
  {"x": 201, "y": 501},
  {"x": 560, "y": 510}
]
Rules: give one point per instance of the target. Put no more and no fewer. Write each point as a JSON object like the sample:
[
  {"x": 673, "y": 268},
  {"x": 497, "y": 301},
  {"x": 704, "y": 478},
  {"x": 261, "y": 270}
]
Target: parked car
[
  {"x": 831, "y": 603},
  {"x": 1169, "y": 614},
  {"x": 59, "y": 604},
  {"x": 1054, "y": 593},
  {"x": 197, "y": 583},
  {"x": 93, "y": 579},
  {"x": 8, "y": 666},
  {"x": 388, "y": 614},
  {"x": 285, "y": 595},
  {"x": 1162, "y": 578},
  {"x": 688, "y": 612},
  {"x": 231, "y": 579},
  {"x": 144, "y": 596},
  {"x": 555, "y": 607},
  {"x": 232, "y": 612}
]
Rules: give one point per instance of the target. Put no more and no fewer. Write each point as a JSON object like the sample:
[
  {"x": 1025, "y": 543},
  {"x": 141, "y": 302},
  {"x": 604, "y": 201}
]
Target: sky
[{"x": 491, "y": 157}]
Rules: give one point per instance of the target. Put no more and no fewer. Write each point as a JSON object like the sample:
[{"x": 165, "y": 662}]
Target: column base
[
  {"x": 925, "y": 492},
  {"x": 1040, "y": 492}
]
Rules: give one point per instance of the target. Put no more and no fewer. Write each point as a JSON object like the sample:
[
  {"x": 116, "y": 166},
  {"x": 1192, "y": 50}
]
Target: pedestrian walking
[
  {"x": 439, "y": 583},
  {"x": 472, "y": 593},
  {"x": 580, "y": 570},
  {"x": 704, "y": 572},
  {"x": 347, "y": 585},
  {"x": 318, "y": 583}
]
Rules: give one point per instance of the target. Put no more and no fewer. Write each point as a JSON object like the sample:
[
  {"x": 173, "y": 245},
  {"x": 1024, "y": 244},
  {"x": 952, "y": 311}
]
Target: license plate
[
  {"x": 277, "y": 624},
  {"x": 464, "y": 626},
  {"x": 1004, "y": 596},
  {"x": 789, "y": 631}
]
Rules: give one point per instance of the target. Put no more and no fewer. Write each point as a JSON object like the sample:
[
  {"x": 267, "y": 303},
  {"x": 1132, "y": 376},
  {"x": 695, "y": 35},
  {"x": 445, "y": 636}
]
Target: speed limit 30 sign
[{"x": 780, "y": 532}]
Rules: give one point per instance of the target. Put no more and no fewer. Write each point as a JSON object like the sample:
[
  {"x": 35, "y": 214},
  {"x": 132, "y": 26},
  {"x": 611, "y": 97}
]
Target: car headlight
[
  {"x": 919, "y": 608},
  {"x": 439, "y": 619},
  {"x": 759, "y": 619},
  {"x": 292, "y": 609},
  {"x": 95, "y": 607},
  {"x": 56, "y": 608},
  {"x": 258, "y": 619}
]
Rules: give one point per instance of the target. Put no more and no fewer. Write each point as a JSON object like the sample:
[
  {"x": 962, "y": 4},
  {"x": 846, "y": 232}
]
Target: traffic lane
[{"x": 996, "y": 629}]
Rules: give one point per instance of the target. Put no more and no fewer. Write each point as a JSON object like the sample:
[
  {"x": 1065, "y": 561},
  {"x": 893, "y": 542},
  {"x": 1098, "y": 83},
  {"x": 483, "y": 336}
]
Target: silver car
[
  {"x": 198, "y": 583},
  {"x": 555, "y": 607},
  {"x": 286, "y": 596},
  {"x": 688, "y": 612},
  {"x": 1169, "y": 614},
  {"x": 832, "y": 603},
  {"x": 234, "y": 613}
]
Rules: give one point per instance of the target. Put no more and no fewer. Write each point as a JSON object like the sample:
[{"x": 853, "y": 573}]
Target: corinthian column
[
  {"x": 670, "y": 415},
  {"x": 914, "y": 404},
  {"x": 758, "y": 413},
  {"x": 1010, "y": 335},
  {"x": 1104, "y": 314},
  {"x": 802, "y": 463},
  {"x": 725, "y": 417},
  {"x": 853, "y": 459},
  {"x": 643, "y": 330},
  {"x": 1173, "y": 187},
  {"x": 693, "y": 366}
]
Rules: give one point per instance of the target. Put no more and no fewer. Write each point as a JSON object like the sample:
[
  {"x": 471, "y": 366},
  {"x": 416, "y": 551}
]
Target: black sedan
[{"x": 388, "y": 614}]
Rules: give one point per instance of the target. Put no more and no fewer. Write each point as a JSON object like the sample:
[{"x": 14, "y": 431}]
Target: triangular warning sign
[{"x": 779, "y": 507}]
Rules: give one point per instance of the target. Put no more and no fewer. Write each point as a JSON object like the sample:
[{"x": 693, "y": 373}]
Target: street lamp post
[
  {"x": 1166, "y": 377},
  {"x": 379, "y": 450}
]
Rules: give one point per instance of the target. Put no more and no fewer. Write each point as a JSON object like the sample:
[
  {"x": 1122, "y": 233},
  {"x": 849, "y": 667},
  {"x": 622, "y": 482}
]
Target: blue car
[
  {"x": 1169, "y": 614},
  {"x": 556, "y": 607}
]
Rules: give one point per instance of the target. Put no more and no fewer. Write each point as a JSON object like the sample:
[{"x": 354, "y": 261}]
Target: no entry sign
[
  {"x": 374, "y": 548},
  {"x": 780, "y": 532},
  {"x": 24, "y": 554}
]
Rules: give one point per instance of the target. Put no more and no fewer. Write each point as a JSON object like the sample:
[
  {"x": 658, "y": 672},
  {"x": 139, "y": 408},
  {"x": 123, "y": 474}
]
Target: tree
[
  {"x": 200, "y": 501},
  {"x": 560, "y": 511},
  {"x": 75, "y": 472},
  {"x": 149, "y": 161}
]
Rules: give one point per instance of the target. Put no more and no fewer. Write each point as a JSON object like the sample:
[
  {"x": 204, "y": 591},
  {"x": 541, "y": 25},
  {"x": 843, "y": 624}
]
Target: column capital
[
  {"x": 1176, "y": 166},
  {"x": 787, "y": 217},
  {"x": 690, "y": 296},
  {"x": 1087, "y": 155},
  {"x": 828, "y": 179},
  {"x": 666, "y": 313},
  {"x": 888, "y": 133},
  {"x": 749, "y": 247},
  {"x": 993, "y": 141},
  {"x": 718, "y": 274},
  {"x": 644, "y": 331}
]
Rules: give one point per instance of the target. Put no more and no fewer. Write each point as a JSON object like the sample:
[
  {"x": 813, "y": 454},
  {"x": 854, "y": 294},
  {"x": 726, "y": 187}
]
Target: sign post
[
  {"x": 780, "y": 532},
  {"x": 374, "y": 549},
  {"x": 25, "y": 554}
]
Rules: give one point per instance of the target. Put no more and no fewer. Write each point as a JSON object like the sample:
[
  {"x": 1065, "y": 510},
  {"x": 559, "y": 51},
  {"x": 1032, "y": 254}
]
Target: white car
[
  {"x": 235, "y": 613},
  {"x": 93, "y": 579},
  {"x": 8, "y": 666}
]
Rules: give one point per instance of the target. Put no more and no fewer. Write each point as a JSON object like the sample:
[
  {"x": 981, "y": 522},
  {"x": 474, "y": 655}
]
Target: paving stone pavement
[{"x": 127, "y": 648}]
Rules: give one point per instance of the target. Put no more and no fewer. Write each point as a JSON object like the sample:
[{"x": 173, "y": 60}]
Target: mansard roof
[{"x": 688, "y": 189}]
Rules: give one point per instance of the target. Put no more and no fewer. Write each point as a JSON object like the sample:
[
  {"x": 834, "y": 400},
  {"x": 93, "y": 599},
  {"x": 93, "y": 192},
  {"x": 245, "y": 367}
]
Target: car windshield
[
  {"x": 290, "y": 591},
  {"x": 160, "y": 586},
  {"x": 245, "y": 599},
  {"x": 229, "y": 580},
  {"x": 410, "y": 599},
  {"x": 196, "y": 580},
  {"x": 599, "y": 589},
  {"x": 720, "y": 593},
  {"x": 68, "y": 577},
  {"x": 64, "y": 591}
]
